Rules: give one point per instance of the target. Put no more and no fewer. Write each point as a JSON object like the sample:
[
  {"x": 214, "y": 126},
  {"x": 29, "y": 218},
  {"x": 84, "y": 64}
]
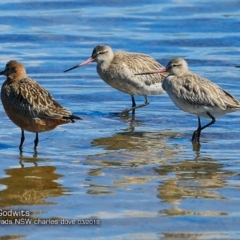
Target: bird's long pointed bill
[
  {"x": 81, "y": 64},
  {"x": 153, "y": 72},
  {"x": 237, "y": 66}
]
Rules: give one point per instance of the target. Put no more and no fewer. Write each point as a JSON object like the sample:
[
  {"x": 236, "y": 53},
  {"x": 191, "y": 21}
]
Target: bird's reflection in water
[
  {"x": 196, "y": 146},
  {"x": 130, "y": 156},
  {"x": 141, "y": 143},
  {"x": 132, "y": 123},
  {"x": 193, "y": 178},
  {"x": 200, "y": 177},
  {"x": 23, "y": 159},
  {"x": 29, "y": 185},
  {"x": 194, "y": 187}
]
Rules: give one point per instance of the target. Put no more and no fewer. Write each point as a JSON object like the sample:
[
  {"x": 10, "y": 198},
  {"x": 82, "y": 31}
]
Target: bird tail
[{"x": 72, "y": 117}]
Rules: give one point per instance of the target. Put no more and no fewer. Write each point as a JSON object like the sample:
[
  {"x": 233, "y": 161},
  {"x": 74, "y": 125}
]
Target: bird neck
[{"x": 13, "y": 78}]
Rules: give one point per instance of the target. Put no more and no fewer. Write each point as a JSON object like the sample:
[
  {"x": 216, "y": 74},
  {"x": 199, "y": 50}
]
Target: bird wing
[
  {"x": 200, "y": 91},
  {"x": 133, "y": 63},
  {"x": 29, "y": 98}
]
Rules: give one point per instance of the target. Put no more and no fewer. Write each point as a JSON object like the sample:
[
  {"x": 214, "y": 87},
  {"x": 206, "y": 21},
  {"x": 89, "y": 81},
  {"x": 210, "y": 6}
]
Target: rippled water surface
[{"x": 140, "y": 177}]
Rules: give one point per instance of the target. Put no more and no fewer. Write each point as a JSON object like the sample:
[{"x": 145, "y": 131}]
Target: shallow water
[{"x": 141, "y": 177}]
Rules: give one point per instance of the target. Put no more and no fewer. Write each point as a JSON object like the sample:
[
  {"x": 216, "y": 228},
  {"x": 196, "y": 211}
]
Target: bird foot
[{"x": 124, "y": 113}]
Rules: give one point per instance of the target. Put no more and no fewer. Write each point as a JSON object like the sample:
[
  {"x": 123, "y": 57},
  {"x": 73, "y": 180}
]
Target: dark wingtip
[
  {"x": 75, "y": 117},
  {"x": 237, "y": 66},
  {"x": 72, "y": 117}
]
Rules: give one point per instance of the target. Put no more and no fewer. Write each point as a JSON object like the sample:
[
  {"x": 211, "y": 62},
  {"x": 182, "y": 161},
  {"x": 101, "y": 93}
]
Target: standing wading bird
[
  {"x": 29, "y": 105},
  {"x": 195, "y": 94},
  {"x": 117, "y": 69}
]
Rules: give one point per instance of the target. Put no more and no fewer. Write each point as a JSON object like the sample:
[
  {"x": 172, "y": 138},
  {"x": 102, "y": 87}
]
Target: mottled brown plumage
[
  {"x": 28, "y": 104},
  {"x": 118, "y": 70}
]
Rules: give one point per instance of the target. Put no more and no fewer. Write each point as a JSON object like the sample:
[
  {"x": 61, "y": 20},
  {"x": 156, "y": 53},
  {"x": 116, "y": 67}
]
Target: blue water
[{"x": 141, "y": 177}]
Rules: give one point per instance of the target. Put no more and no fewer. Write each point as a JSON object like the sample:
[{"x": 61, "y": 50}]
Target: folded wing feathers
[
  {"x": 31, "y": 99},
  {"x": 197, "y": 90},
  {"x": 139, "y": 63}
]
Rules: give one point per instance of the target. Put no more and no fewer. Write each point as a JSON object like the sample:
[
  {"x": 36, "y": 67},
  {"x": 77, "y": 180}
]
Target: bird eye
[
  {"x": 176, "y": 65},
  {"x": 102, "y": 52}
]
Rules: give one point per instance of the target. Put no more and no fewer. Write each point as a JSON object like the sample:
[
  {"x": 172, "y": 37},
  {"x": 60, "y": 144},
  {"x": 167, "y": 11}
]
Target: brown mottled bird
[
  {"x": 29, "y": 105},
  {"x": 118, "y": 70}
]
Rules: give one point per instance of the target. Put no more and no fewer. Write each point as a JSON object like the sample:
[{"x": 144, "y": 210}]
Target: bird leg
[
  {"x": 22, "y": 140},
  {"x": 212, "y": 122},
  {"x": 196, "y": 134},
  {"x": 36, "y": 141},
  {"x": 134, "y": 106}
]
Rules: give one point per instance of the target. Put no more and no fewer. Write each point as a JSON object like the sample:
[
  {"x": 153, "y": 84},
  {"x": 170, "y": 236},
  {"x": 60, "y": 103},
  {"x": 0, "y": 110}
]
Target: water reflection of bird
[
  {"x": 117, "y": 69},
  {"x": 131, "y": 121},
  {"x": 29, "y": 105},
  {"x": 196, "y": 146},
  {"x": 33, "y": 159},
  {"x": 143, "y": 146},
  {"x": 137, "y": 152},
  {"x": 196, "y": 95},
  {"x": 197, "y": 177},
  {"x": 30, "y": 185}
]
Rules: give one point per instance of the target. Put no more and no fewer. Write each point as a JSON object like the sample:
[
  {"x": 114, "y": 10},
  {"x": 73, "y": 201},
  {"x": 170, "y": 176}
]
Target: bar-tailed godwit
[
  {"x": 195, "y": 94},
  {"x": 117, "y": 69},
  {"x": 29, "y": 105}
]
